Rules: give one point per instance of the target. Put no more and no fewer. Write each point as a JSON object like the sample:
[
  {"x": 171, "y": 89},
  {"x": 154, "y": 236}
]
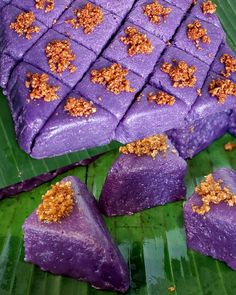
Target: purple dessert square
[
  {"x": 162, "y": 79},
  {"x": 97, "y": 39},
  {"x": 146, "y": 118},
  {"x": 206, "y": 52},
  {"x": 119, "y": 7},
  {"x": 11, "y": 43},
  {"x": 64, "y": 133},
  {"x": 7, "y": 63},
  {"x": 167, "y": 27},
  {"x": 83, "y": 60},
  {"x": 141, "y": 64},
  {"x": 117, "y": 104},
  {"x": 183, "y": 4},
  {"x": 30, "y": 115},
  {"x": 232, "y": 123},
  {"x": 213, "y": 233}
]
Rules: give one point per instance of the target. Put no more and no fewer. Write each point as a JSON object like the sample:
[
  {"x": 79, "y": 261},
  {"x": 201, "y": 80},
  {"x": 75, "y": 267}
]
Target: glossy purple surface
[{"x": 7, "y": 63}]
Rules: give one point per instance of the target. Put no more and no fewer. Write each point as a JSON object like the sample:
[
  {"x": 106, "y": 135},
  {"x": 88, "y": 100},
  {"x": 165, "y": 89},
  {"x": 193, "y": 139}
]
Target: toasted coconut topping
[
  {"x": 197, "y": 33},
  {"x": 60, "y": 56},
  {"x": 113, "y": 77},
  {"x": 40, "y": 88},
  {"x": 23, "y": 25},
  {"x": 58, "y": 203},
  {"x": 229, "y": 146},
  {"x": 149, "y": 146},
  {"x": 46, "y": 5},
  {"x": 171, "y": 289},
  {"x": 208, "y": 7},
  {"x": 79, "y": 107},
  {"x": 161, "y": 98},
  {"x": 213, "y": 192},
  {"x": 180, "y": 73},
  {"x": 229, "y": 64},
  {"x": 137, "y": 42},
  {"x": 156, "y": 12},
  {"x": 88, "y": 17},
  {"x": 221, "y": 89}
]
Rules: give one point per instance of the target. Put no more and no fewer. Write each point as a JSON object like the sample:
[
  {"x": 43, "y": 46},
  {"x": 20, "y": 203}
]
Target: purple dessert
[
  {"x": 232, "y": 123},
  {"x": 94, "y": 37},
  {"x": 147, "y": 173},
  {"x": 7, "y": 63},
  {"x": 183, "y": 4},
  {"x": 154, "y": 112},
  {"x": 119, "y": 7},
  {"x": 78, "y": 57},
  {"x": 135, "y": 49},
  {"x": 210, "y": 217},
  {"x": 66, "y": 235}
]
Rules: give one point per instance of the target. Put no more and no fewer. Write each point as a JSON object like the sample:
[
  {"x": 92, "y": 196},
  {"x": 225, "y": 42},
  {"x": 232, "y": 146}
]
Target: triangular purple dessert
[{"x": 67, "y": 236}]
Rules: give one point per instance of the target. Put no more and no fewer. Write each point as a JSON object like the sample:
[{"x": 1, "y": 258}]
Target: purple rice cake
[
  {"x": 76, "y": 24},
  {"x": 157, "y": 17},
  {"x": 183, "y": 4},
  {"x": 232, "y": 123},
  {"x": 180, "y": 74},
  {"x": 33, "y": 96},
  {"x": 66, "y": 235},
  {"x": 147, "y": 173},
  {"x": 210, "y": 218},
  {"x": 7, "y": 63},
  {"x": 155, "y": 111},
  {"x": 70, "y": 66},
  {"x": 111, "y": 86},
  {"x": 77, "y": 124}
]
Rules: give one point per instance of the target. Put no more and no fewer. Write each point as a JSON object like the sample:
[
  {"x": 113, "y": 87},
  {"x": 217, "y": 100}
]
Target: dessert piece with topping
[
  {"x": 76, "y": 124},
  {"x": 111, "y": 86},
  {"x": 88, "y": 24},
  {"x": 180, "y": 74},
  {"x": 135, "y": 49},
  {"x": 68, "y": 225},
  {"x": 155, "y": 111},
  {"x": 199, "y": 38},
  {"x": 232, "y": 123},
  {"x": 61, "y": 57},
  {"x": 147, "y": 173},
  {"x": 210, "y": 217}
]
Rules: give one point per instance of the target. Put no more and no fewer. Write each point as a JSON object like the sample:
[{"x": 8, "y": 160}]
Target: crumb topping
[
  {"x": 180, "y": 73},
  {"x": 171, "y": 289},
  {"x": 229, "y": 64},
  {"x": 113, "y": 77},
  {"x": 199, "y": 92},
  {"x": 40, "y": 88},
  {"x": 60, "y": 56},
  {"x": 149, "y": 146},
  {"x": 46, "y": 5},
  {"x": 221, "y": 88},
  {"x": 229, "y": 146},
  {"x": 208, "y": 7},
  {"x": 58, "y": 203},
  {"x": 156, "y": 12},
  {"x": 212, "y": 192},
  {"x": 79, "y": 107},
  {"x": 88, "y": 17},
  {"x": 23, "y": 25},
  {"x": 197, "y": 33},
  {"x": 161, "y": 98}
]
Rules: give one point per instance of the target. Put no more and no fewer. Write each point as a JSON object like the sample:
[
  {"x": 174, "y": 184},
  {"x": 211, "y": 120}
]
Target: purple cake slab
[
  {"x": 119, "y": 7},
  {"x": 115, "y": 104},
  {"x": 183, "y": 4},
  {"x": 94, "y": 41},
  {"x": 166, "y": 29},
  {"x": 141, "y": 64},
  {"x": 84, "y": 58},
  {"x": 162, "y": 80},
  {"x": 214, "y": 233},
  {"x": 146, "y": 118},
  {"x": 79, "y": 245},
  {"x": 64, "y": 134},
  {"x": 208, "y": 51},
  {"x": 232, "y": 123},
  {"x": 7, "y": 63},
  {"x": 30, "y": 115}
]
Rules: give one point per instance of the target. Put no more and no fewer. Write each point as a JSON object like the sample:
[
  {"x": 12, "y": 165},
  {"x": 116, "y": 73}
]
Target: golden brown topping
[
  {"x": 199, "y": 92},
  {"x": 156, "y": 12},
  {"x": 181, "y": 74},
  {"x": 229, "y": 63},
  {"x": 197, "y": 33},
  {"x": 60, "y": 56},
  {"x": 149, "y": 146},
  {"x": 230, "y": 146},
  {"x": 162, "y": 98},
  {"x": 79, "y": 107},
  {"x": 137, "y": 42},
  {"x": 40, "y": 88},
  {"x": 113, "y": 77},
  {"x": 221, "y": 89},
  {"x": 208, "y": 7},
  {"x": 88, "y": 17},
  {"x": 171, "y": 289},
  {"x": 23, "y": 25},
  {"x": 46, "y": 5},
  {"x": 58, "y": 203},
  {"x": 212, "y": 191}
]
